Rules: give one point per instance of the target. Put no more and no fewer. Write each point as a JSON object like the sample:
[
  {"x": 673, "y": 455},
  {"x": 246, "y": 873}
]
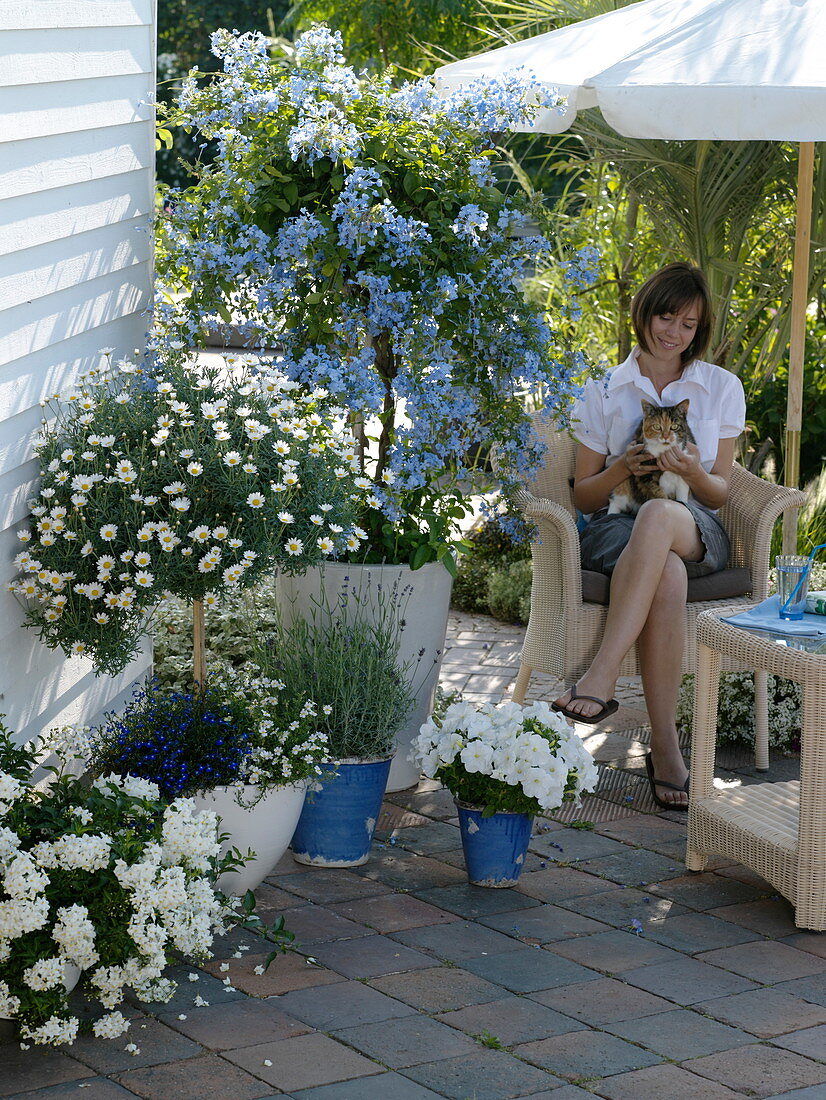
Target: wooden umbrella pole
[
  {"x": 797, "y": 344},
  {"x": 198, "y": 644}
]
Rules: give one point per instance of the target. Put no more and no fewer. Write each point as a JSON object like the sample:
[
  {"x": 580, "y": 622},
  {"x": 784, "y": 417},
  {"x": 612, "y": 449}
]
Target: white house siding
[{"x": 76, "y": 195}]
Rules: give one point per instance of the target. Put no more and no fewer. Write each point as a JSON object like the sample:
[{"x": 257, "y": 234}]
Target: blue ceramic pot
[
  {"x": 339, "y": 816},
  {"x": 495, "y": 847}
]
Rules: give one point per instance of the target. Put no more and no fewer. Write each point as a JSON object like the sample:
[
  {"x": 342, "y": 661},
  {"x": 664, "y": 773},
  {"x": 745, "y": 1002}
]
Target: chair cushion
[{"x": 723, "y": 585}]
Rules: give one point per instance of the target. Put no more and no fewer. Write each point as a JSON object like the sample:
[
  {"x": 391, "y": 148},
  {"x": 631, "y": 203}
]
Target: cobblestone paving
[{"x": 607, "y": 971}]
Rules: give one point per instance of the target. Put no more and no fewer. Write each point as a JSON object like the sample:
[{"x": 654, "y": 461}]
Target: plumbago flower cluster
[
  {"x": 513, "y": 758},
  {"x": 240, "y": 727},
  {"x": 107, "y": 879},
  {"x": 178, "y": 478},
  {"x": 360, "y": 227}
]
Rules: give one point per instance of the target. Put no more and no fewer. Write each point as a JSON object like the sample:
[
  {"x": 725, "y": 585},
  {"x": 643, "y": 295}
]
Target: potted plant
[
  {"x": 348, "y": 664},
  {"x": 362, "y": 229},
  {"x": 104, "y": 878},
  {"x": 503, "y": 764},
  {"x": 241, "y": 746},
  {"x": 177, "y": 477}
]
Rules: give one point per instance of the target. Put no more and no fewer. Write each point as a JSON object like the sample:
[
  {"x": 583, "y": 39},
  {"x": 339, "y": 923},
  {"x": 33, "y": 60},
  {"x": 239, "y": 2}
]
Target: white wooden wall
[{"x": 76, "y": 198}]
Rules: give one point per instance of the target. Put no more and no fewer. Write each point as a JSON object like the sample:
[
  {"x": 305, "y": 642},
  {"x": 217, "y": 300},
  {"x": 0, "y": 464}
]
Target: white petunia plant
[
  {"x": 190, "y": 477},
  {"x": 511, "y": 758},
  {"x": 104, "y": 878}
]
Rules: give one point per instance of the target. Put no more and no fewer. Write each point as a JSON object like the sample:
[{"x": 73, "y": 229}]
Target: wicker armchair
[{"x": 568, "y": 605}]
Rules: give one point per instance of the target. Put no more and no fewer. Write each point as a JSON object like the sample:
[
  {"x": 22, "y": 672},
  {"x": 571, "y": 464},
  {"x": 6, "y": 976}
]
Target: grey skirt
[{"x": 605, "y": 537}]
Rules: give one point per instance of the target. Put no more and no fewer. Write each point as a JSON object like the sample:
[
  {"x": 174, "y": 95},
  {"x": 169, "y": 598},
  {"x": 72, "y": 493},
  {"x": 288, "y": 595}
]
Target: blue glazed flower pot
[
  {"x": 339, "y": 816},
  {"x": 495, "y": 847}
]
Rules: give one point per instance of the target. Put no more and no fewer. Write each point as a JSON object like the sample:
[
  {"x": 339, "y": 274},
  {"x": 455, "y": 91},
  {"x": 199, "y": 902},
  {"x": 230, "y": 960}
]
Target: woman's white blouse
[{"x": 608, "y": 413}]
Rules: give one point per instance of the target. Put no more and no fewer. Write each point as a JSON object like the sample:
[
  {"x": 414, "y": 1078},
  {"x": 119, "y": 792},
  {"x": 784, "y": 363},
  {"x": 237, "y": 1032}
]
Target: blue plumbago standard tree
[{"x": 359, "y": 228}]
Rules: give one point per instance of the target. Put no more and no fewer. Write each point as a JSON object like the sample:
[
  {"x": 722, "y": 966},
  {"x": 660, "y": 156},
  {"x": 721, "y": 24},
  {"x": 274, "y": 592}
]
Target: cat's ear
[
  {"x": 683, "y": 406},
  {"x": 648, "y": 409}
]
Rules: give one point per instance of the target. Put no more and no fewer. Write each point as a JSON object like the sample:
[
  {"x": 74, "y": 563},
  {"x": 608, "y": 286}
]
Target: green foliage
[
  {"x": 348, "y": 665},
  {"x": 509, "y": 592},
  {"x": 735, "y": 721}
]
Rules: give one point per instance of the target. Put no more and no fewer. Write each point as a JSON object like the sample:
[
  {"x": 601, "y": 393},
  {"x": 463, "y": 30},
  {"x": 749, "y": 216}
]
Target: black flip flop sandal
[
  {"x": 653, "y": 783},
  {"x": 606, "y": 709}
]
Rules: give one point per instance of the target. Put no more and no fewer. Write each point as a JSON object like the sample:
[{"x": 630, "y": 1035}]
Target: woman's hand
[
  {"x": 686, "y": 464},
  {"x": 639, "y": 461}
]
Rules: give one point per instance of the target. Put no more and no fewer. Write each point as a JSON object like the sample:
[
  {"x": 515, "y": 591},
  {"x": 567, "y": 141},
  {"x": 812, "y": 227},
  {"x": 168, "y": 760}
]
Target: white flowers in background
[{"x": 506, "y": 757}]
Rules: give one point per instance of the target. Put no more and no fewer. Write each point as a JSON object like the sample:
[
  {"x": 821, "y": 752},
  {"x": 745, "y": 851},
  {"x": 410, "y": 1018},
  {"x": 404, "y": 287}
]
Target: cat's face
[{"x": 663, "y": 428}]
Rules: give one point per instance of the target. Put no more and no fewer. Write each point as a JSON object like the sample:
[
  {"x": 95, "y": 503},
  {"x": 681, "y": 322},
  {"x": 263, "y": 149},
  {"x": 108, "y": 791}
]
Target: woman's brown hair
[{"x": 669, "y": 290}]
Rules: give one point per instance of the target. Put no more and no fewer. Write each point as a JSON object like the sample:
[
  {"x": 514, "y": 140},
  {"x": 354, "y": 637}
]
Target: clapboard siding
[
  {"x": 81, "y": 105},
  {"x": 76, "y": 200}
]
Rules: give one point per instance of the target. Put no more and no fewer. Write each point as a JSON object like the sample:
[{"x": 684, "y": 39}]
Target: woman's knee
[{"x": 661, "y": 515}]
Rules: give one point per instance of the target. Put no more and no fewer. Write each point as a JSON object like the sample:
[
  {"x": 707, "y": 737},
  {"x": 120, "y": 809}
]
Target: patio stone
[
  {"x": 766, "y": 962},
  {"x": 813, "y": 942},
  {"x": 325, "y": 885},
  {"x": 810, "y": 989},
  {"x": 814, "y": 1092},
  {"x": 302, "y": 1062},
  {"x": 239, "y": 939},
  {"x": 483, "y": 1075},
  {"x": 572, "y": 845},
  {"x": 811, "y": 1042},
  {"x": 429, "y": 798},
  {"x": 458, "y": 941},
  {"x": 765, "y": 1012},
  {"x": 407, "y": 1042},
  {"x": 680, "y": 1034},
  {"x": 687, "y": 981},
  {"x": 27, "y": 1069},
  {"x": 402, "y": 870},
  {"x": 429, "y": 839},
  {"x": 312, "y": 924},
  {"x": 206, "y": 1078},
  {"x": 602, "y": 1001},
  {"x": 511, "y": 1020},
  {"x": 696, "y": 932},
  {"x": 555, "y": 884},
  {"x": 584, "y": 1054},
  {"x": 238, "y": 1024},
  {"x": 613, "y": 952},
  {"x": 331, "y": 1007},
  {"x": 759, "y": 1070},
  {"x": 94, "y": 1088},
  {"x": 772, "y": 917},
  {"x": 393, "y": 912},
  {"x": 207, "y": 986},
  {"x": 384, "y": 1086},
  {"x": 706, "y": 891},
  {"x": 156, "y": 1042},
  {"x": 620, "y": 906},
  {"x": 661, "y": 1083},
  {"x": 439, "y": 989},
  {"x": 545, "y": 924},
  {"x": 655, "y": 834},
  {"x": 635, "y": 867},
  {"x": 271, "y": 900},
  {"x": 476, "y": 901},
  {"x": 528, "y": 969},
  {"x": 369, "y": 956},
  {"x": 287, "y": 972}
]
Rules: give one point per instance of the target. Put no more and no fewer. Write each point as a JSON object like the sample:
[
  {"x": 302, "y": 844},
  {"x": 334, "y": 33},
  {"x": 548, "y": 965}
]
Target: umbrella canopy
[{"x": 729, "y": 70}]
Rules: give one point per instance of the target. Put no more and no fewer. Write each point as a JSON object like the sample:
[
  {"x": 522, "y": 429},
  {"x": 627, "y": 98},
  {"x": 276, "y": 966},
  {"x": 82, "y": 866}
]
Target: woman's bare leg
[
  {"x": 660, "y": 650},
  {"x": 662, "y": 527}
]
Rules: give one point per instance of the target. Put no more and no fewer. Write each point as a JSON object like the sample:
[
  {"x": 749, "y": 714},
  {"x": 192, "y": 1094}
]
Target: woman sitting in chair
[{"x": 649, "y": 555}]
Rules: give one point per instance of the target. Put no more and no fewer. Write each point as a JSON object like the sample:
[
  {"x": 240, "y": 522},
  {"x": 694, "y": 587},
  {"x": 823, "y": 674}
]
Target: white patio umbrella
[{"x": 729, "y": 70}]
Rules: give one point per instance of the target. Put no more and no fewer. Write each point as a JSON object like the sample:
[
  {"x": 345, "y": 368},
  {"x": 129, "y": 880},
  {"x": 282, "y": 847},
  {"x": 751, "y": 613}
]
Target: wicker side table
[{"x": 777, "y": 829}]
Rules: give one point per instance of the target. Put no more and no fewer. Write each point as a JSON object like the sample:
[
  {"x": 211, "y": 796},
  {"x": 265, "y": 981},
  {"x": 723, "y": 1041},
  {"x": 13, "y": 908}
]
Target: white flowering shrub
[
  {"x": 735, "y": 717},
  {"x": 184, "y": 478},
  {"x": 107, "y": 878},
  {"x": 514, "y": 758}
]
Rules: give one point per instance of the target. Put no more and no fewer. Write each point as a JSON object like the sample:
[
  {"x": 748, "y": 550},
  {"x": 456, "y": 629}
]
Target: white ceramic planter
[
  {"x": 424, "y": 597},
  {"x": 71, "y": 976},
  {"x": 266, "y": 828}
]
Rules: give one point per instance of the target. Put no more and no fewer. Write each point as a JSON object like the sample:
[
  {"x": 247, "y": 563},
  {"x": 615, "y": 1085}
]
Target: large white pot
[
  {"x": 266, "y": 827},
  {"x": 424, "y": 598}
]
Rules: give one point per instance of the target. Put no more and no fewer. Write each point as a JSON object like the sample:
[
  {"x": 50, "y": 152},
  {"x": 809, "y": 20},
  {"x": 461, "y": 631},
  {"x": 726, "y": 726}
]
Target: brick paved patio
[{"x": 411, "y": 985}]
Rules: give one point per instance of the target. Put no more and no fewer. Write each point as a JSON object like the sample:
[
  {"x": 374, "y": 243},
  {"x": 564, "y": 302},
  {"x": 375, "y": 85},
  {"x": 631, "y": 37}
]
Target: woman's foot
[
  {"x": 589, "y": 699},
  {"x": 668, "y": 777}
]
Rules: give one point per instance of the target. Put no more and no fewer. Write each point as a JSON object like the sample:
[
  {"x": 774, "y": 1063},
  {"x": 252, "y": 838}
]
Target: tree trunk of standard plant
[{"x": 198, "y": 645}]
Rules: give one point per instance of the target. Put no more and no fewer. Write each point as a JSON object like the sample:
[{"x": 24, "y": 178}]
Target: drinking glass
[{"x": 792, "y": 584}]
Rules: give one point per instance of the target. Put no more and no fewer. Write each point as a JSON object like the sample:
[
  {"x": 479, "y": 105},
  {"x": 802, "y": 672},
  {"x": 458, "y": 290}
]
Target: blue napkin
[{"x": 766, "y": 616}]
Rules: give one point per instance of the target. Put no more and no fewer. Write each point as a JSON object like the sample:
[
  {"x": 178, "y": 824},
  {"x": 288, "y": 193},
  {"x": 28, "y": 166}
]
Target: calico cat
[{"x": 661, "y": 428}]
